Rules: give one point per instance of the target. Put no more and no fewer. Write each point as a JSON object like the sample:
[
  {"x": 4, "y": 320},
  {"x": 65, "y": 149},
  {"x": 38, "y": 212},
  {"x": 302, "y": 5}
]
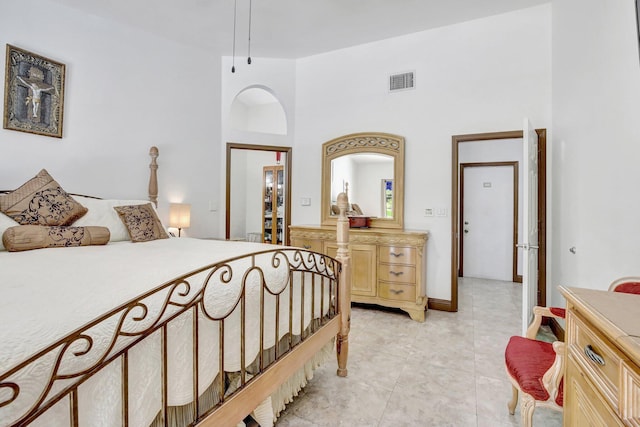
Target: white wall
[
  {"x": 369, "y": 183},
  {"x": 274, "y": 75},
  {"x": 240, "y": 170},
  {"x": 478, "y": 76},
  {"x": 342, "y": 173},
  {"x": 125, "y": 91},
  {"x": 263, "y": 117},
  {"x": 596, "y": 144}
]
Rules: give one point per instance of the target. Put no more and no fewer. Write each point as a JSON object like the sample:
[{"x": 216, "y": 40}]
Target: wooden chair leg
[
  {"x": 514, "y": 400},
  {"x": 527, "y": 405}
]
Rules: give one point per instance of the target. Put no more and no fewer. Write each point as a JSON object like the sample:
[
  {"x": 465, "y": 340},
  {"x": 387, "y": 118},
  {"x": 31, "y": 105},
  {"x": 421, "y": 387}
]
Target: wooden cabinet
[
  {"x": 602, "y": 377},
  {"x": 363, "y": 267},
  {"x": 273, "y": 207},
  {"x": 388, "y": 266}
]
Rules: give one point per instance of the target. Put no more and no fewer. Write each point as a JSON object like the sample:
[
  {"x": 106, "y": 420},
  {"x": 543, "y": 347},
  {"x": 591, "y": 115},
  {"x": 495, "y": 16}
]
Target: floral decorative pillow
[
  {"x": 142, "y": 222},
  {"x": 101, "y": 213},
  {"x": 41, "y": 201}
]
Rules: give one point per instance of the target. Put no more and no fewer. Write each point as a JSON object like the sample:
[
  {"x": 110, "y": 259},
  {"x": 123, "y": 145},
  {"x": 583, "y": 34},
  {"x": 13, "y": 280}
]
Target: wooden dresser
[
  {"x": 602, "y": 377},
  {"x": 388, "y": 266}
]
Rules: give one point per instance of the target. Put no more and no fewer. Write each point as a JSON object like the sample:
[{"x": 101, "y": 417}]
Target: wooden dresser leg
[{"x": 416, "y": 314}]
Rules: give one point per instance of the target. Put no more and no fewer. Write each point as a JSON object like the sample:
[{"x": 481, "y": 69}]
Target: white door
[
  {"x": 487, "y": 229},
  {"x": 529, "y": 240}
]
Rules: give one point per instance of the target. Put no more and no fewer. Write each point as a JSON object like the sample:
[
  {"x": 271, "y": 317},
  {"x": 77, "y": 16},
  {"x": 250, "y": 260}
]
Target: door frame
[
  {"x": 287, "y": 170},
  {"x": 514, "y": 232},
  {"x": 452, "y": 305}
]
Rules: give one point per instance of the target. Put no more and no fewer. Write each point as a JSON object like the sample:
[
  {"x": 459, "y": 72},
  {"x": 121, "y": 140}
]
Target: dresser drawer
[
  {"x": 584, "y": 407},
  {"x": 396, "y": 291},
  {"x": 308, "y": 244},
  {"x": 397, "y": 273},
  {"x": 599, "y": 360},
  {"x": 398, "y": 255}
]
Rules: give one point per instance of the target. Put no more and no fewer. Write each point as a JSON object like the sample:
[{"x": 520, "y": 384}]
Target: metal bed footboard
[{"x": 308, "y": 301}]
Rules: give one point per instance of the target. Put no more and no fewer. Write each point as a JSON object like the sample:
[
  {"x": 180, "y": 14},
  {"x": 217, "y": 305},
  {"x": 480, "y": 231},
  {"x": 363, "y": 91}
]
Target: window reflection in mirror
[
  {"x": 387, "y": 202},
  {"x": 368, "y": 180}
]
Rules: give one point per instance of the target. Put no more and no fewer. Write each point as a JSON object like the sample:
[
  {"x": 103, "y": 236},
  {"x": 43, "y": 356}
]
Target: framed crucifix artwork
[{"x": 33, "y": 93}]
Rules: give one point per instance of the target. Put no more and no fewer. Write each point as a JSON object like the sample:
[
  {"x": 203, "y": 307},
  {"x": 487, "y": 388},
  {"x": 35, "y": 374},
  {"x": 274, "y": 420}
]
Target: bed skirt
[{"x": 268, "y": 411}]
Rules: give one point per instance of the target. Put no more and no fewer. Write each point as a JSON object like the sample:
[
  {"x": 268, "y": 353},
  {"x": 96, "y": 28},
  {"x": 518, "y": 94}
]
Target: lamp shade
[{"x": 179, "y": 215}]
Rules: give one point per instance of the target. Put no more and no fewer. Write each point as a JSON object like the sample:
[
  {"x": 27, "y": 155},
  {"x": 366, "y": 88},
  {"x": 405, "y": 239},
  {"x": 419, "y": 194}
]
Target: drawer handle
[
  {"x": 595, "y": 357},
  {"x": 397, "y": 273},
  {"x": 395, "y": 254},
  {"x": 306, "y": 246},
  {"x": 396, "y": 291}
]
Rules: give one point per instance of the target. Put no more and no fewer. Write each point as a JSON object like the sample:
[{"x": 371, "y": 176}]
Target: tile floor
[{"x": 448, "y": 371}]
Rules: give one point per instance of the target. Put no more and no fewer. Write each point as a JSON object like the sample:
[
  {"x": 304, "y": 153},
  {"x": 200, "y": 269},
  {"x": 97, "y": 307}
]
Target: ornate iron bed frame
[{"x": 136, "y": 320}]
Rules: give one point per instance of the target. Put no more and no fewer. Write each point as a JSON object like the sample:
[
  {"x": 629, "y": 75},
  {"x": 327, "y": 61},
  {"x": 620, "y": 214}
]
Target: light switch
[
  {"x": 428, "y": 212},
  {"x": 441, "y": 212},
  {"x": 305, "y": 201}
]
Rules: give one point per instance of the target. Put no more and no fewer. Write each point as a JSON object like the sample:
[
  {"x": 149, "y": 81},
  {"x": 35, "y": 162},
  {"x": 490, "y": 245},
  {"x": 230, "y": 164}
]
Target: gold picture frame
[{"x": 33, "y": 93}]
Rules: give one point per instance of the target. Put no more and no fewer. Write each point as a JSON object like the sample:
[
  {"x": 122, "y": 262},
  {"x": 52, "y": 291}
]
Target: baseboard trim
[{"x": 439, "y": 304}]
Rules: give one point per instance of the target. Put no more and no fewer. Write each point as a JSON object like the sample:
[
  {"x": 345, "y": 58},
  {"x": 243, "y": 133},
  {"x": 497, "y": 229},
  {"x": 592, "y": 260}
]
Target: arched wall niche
[{"x": 257, "y": 109}]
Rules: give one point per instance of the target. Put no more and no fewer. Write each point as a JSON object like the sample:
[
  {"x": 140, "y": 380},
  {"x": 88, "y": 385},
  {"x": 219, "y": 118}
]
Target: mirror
[
  {"x": 258, "y": 202},
  {"x": 369, "y": 167}
]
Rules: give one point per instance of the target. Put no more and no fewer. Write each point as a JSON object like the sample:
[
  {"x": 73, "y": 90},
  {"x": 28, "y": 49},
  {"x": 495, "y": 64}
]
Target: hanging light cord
[
  {"x": 233, "y": 60},
  {"x": 249, "y": 55}
]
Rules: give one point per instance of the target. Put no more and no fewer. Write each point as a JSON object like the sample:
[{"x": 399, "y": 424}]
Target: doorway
[
  {"x": 245, "y": 196},
  {"x": 455, "y": 206},
  {"x": 489, "y": 221}
]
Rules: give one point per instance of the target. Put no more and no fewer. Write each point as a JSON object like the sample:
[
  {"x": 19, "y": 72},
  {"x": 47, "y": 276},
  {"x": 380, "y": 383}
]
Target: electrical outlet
[
  {"x": 428, "y": 212},
  {"x": 305, "y": 201},
  {"x": 441, "y": 212}
]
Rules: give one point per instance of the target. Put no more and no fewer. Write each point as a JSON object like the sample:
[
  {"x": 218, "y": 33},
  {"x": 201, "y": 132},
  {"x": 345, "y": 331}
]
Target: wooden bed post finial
[
  {"x": 342, "y": 238},
  {"x": 153, "y": 179}
]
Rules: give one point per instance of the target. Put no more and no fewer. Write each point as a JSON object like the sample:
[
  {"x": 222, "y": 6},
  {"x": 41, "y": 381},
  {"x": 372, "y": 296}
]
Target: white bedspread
[{"x": 45, "y": 294}]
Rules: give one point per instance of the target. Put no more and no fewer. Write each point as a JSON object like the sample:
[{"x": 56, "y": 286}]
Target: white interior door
[
  {"x": 487, "y": 231},
  {"x": 529, "y": 240}
]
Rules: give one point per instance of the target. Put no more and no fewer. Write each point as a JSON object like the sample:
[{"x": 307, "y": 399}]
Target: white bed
[{"x": 106, "y": 335}]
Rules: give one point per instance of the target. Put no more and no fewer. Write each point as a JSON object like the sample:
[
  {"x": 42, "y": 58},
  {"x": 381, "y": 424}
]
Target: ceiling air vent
[{"x": 402, "y": 81}]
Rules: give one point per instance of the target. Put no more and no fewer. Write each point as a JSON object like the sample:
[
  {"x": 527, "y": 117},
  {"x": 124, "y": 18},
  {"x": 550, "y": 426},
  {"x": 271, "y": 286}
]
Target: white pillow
[
  {"x": 5, "y": 222},
  {"x": 101, "y": 213}
]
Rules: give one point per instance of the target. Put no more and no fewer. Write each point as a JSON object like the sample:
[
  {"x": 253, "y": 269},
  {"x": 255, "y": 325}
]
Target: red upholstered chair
[
  {"x": 629, "y": 285},
  {"x": 535, "y": 368}
]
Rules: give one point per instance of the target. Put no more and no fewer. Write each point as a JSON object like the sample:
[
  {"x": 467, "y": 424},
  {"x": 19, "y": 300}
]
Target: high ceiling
[{"x": 290, "y": 28}]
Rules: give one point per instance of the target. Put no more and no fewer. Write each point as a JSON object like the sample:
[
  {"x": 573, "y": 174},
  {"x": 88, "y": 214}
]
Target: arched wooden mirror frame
[{"x": 360, "y": 143}]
